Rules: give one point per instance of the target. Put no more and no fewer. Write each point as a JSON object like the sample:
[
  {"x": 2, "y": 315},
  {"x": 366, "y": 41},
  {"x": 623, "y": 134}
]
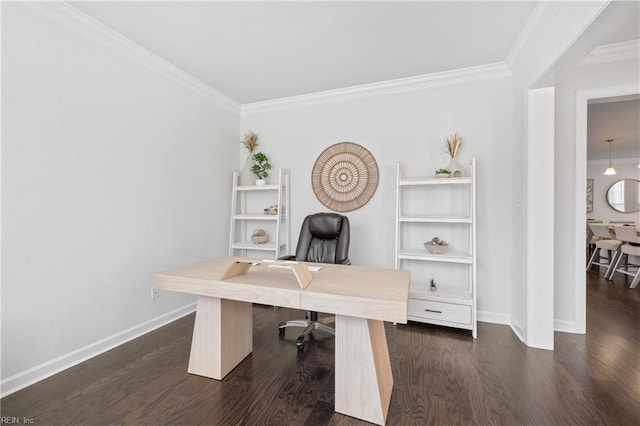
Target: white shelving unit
[
  {"x": 247, "y": 213},
  {"x": 453, "y": 203}
]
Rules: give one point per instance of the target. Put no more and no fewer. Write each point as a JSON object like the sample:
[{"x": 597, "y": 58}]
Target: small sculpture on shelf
[
  {"x": 259, "y": 236},
  {"x": 271, "y": 210},
  {"x": 436, "y": 246},
  {"x": 432, "y": 285}
]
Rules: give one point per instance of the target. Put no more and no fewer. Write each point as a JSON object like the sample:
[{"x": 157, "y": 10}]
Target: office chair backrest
[{"x": 324, "y": 238}]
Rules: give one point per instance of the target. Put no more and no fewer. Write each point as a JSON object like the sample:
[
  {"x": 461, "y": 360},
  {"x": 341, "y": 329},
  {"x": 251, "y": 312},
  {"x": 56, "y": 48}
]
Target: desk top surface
[{"x": 375, "y": 293}]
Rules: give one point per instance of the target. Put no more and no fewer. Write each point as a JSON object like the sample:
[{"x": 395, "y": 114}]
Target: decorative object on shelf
[
  {"x": 259, "y": 236},
  {"x": 443, "y": 173},
  {"x": 345, "y": 177},
  {"x": 610, "y": 170},
  {"x": 436, "y": 246},
  {"x": 432, "y": 285},
  {"x": 250, "y": 141},
  {"x": 260, "y": 167},
  {"x": 271, "y": 210},
  {"x": 454, "y": 143}
]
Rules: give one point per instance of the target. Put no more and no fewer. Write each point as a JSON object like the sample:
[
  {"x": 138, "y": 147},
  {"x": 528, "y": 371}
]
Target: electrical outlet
[{"x": 155, "y": 293}]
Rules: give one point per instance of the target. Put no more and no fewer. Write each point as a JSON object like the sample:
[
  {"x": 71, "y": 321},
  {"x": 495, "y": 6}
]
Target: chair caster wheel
[
  {"x": 300, "y": 343},
  {"x": 281, "y": 331}
]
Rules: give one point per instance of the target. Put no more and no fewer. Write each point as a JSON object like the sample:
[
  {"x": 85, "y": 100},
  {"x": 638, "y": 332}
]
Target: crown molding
[
  {"x": 90, "y": 27},
  {"x": 605, "y": 162},
  {"x": 623, "y": 51},
  {"x": 439, "y": 79},
  {"x": 538, "y": 19}
]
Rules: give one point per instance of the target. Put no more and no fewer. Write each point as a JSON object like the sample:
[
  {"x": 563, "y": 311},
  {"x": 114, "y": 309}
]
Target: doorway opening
[{"x": 580, "y": 203}]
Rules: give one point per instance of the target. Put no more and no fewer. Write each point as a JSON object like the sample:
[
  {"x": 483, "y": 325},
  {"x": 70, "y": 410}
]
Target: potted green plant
[
  {"x": 443, "y": 173},
  {"x": 260, "y": 167}
]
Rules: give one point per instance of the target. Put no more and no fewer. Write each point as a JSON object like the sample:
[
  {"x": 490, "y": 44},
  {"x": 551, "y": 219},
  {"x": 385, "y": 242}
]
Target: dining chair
[
  {"x": 591, "y": 240},
  {"x": 630, "y": 247},
  {"x": 607, "y": 243}
]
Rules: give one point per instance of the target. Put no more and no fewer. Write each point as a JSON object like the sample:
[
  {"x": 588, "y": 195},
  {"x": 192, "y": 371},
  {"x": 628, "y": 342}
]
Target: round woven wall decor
[{"x": 345, "y": 176}]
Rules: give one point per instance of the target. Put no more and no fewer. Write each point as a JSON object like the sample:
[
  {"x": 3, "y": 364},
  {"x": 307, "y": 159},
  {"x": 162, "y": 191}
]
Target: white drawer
[{"x": 449, "y": 312}]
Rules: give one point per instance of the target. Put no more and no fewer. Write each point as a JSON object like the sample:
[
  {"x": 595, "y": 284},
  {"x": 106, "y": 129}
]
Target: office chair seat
[{"x": 324, "y": 238}]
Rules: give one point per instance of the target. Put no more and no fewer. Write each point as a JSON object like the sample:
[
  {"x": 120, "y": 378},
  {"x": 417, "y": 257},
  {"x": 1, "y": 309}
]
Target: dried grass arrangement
[
  {"x": 453, "y": 143},
  {"x": 250, "y": 141}
]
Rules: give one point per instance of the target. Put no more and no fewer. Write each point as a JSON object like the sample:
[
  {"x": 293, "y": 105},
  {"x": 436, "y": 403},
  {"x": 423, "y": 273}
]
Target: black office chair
[{"x": 324, "y": 238}]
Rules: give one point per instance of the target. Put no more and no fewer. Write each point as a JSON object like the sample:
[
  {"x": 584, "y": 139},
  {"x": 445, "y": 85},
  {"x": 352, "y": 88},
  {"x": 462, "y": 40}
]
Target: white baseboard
[
  {"x": 517, "y": 329},
  {"x": 47, "y": 369},
  {"x": 494, "y": 318},
  {"x": 565, "y": 326}
]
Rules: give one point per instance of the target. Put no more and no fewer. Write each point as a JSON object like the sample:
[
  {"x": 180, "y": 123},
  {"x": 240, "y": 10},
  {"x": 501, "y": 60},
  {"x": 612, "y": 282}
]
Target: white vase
[
  {"x": 246, "y": 176},
  {"x": 261, "y": 182},
  {"x": 455, "y": 168}
]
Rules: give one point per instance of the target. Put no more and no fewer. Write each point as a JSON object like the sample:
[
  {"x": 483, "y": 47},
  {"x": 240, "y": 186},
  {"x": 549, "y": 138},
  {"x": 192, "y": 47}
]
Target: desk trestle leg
[
  {"x": 222, "y": 336},
  {"x": 364, "y": 380}
]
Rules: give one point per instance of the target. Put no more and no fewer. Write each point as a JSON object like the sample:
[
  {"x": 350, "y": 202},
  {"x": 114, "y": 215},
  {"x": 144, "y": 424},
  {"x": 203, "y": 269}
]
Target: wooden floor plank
[{"x": 441, "y": 376}]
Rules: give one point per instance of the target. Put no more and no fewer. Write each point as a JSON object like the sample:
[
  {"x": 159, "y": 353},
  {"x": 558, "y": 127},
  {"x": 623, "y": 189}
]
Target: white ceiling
[
  {"x": 256, "y": 51},
  {"x": 619, "y": 120}
]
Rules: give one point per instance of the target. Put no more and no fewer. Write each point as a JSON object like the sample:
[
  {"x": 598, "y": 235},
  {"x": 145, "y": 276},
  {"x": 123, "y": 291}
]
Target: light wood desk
[{"x": 361, "y": 298}]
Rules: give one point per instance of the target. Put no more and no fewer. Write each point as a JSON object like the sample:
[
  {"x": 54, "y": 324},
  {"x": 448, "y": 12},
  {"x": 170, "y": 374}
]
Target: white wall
[
  {"x": 581, "y": 78},
  {"x": 110, "y": 172},
  {"x": 408, "y": 126},
  {"x": 540, "y": 121},
  {"x": 541, "y": 46}
]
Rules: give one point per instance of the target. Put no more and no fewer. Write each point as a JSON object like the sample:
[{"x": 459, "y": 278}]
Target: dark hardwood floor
[{"x": 442, "y": 376}]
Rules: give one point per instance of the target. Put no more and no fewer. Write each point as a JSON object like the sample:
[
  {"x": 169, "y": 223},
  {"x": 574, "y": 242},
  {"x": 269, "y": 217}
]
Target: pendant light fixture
[{"x": 610, "y": 170}]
